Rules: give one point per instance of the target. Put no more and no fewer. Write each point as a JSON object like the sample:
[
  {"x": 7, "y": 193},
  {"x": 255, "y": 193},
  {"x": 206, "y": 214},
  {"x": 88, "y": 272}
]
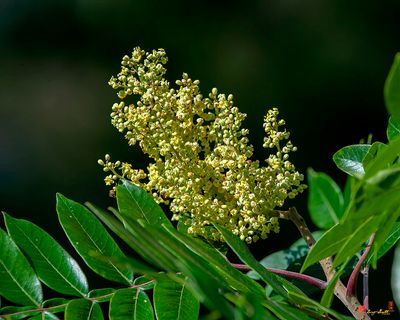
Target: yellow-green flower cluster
[{"x": 200, "y": 155}]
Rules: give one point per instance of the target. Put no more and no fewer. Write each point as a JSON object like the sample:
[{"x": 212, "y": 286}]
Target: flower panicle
[{"x": 200, "y": 155}]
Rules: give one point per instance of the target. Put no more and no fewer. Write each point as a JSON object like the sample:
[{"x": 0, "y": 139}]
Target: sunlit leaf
[
  {"x": 350, "y": 159},
  {"x": 83, "y": 309},
  {"x": 392, "y": 88},
  {"x": 174, "y": 301},
  {"x": 18, "y": 281},
  {"x": 53, "y": 265},
  {"x": 135, "y": 203},
  {"x": 325, "y": 200},
  {"x": 88, "y": 236}
]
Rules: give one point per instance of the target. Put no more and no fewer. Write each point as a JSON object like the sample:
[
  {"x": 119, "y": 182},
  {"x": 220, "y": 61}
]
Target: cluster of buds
[{"x": 200, "y": 156}]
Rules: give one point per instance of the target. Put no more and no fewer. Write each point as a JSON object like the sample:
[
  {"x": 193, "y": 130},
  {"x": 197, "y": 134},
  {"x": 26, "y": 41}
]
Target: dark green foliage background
[{"x": 323, "y": 63}]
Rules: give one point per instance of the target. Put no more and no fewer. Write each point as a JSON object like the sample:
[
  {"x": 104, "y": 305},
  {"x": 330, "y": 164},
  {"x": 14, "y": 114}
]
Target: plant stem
[
  {"x": 351, "y": 284},
  {"x": 320, "y": 284},
  {"x": 351, "y": 302}
]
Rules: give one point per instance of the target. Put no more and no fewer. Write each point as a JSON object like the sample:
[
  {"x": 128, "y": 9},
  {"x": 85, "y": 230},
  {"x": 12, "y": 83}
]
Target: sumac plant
[{"x": 218, "y": 199}]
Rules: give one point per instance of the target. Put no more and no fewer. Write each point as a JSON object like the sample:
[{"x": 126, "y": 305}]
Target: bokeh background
[{"x": 323, "y": 63}]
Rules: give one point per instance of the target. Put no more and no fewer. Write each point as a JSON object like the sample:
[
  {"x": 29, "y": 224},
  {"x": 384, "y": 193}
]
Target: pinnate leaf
[
  {"x": 174, "y": 301},
  {"x": 135, "y": 203},
  {"x": 83, "y": 309},
  {"x": 130, "y": 304},
  {"x": 91, "y": 240},
  {"x": 18, "y": 281},
  {"x": 53, "y": 265}
]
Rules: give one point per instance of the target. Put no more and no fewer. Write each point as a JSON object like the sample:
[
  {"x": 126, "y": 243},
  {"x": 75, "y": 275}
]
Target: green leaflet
[
  {"x": 53, "y": 265},
  {"x": 342, "y": 239},
  {"x": 121, "y": 231},
  {"x": 44, "y": 316},
  {"x": 18, "y": 312},
  {"x": 392, "y": 238},
  {"x": 136, "y": 204},
  {"x": 393, "y": 129},
  {"x": 325, "y": 200},
  {"x": 241, "y": 250},
  {"x": 174, "y": 301},
  {"x": 130, "y": 304},
  {"x": 88, "y": 236},
  {"x": 19, "y": 282},
  {"x": 391, "y": 90},
  {"x": 350, "y": 159},
  {"x": 82, "y": 309}
]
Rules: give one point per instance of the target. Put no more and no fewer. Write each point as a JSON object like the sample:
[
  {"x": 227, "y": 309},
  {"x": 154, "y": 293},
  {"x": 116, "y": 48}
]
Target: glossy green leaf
[
  {"x": 120, "y": 230},
  {"x": 243, "y": 252},
  {"x": 216, "y": 261},
  {"x": 393, "y": 129},
  {"x": 82, "y": 309},
  {"x": 354, "y": 242},
  {"x": 130, "y": 304},
  {"x": 285, "y": 312},
  {"x": 88, "y": 236},
  {"x": 384, "y": 159},
  {"x": 145, "y": 282},
  {"x": 55, "y": 305},
  {"x": 135, "y": 203},
  {"x": 306, "y": 302},
  {"x": 174, "y": 301},
  {"x": 15, "y": 313},
  {"x": 342, "y": 239},
  {"x": 44, "y": 316},
  {"x": 391, "y": 238},
  {"x": 395, "y": 280},
  {"x": 325, "y": 200},
  {"x": 282, "y": 259},
  {"x": 350, "y": 159},
  {"x": 392, "y": 88},
  {"x": 101, "y": 295},
  {"x": 53, "y": 265},
  {"x": 18, "y": 281}
]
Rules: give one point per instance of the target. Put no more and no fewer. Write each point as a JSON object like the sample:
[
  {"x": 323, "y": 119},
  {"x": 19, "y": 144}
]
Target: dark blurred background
[{"x": 323, "y": 63}]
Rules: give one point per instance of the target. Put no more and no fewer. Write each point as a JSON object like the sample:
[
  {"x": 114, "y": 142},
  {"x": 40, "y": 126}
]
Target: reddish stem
[
  {"x": 351, "y": 284},
  {"x": 320, "y": 284}
]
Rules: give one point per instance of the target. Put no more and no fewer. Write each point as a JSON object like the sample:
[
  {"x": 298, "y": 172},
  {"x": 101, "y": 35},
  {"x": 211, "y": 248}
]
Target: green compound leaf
[
  {"x": 350, "y": 159},
  {"x": 393, "y": 129},
  {"x": 342, "y": 239},
  {"x": 18, "y": 281},
  {"x": 325, "y": 200},
  {"x": 391, "y": 90},
  {"x": 82, "y": 309},
  {"x": 15, "y": 313},
  {"x": 44, "y": 316},
  {"x": 174, "y": 301},
  {"x": 88, "y": 237},
  {"x": 130, "y": 304},
  {"x": 243, "y": 252},
  {"x": 53, "y": 265},
  {"x": 137, "y": 204}
]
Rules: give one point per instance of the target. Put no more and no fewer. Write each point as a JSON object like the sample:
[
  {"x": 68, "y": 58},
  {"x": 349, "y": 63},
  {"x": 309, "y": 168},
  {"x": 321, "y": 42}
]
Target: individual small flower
[{"x": 201, "y": 157}]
